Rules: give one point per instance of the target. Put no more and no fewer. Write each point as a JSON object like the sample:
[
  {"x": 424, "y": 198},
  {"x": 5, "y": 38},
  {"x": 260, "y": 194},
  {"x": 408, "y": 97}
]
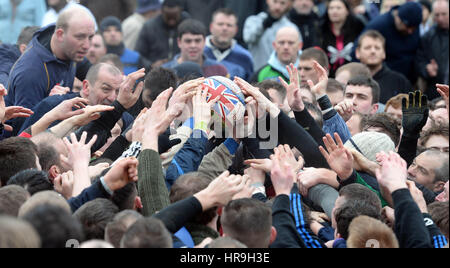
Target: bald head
[
  {"x": 440, "y": 11},
  {"x": 287, "y": 45},
  {"x": 74, "y": 31}
]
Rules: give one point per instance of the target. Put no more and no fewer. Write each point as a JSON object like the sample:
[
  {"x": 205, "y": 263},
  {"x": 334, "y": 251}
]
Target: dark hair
[
  {"x": 115, "y": 229},
  {"x": 358, "y": 192},
  {"x": 271, "y": 84},
  {"x": 125, "y": 197},
  {"x": 187, "y": 185},
  {"x": 191, "y": 26},
  {"x": 147, "y": 233},
  {"x": 352, "y": 209},
  {"x": 439, "y": 214},
  {"x": 47, "y": 144},
  {"x": 226, "y": 11},
  {"x": 94, "y": 216},
  {"x": 158, "y": 80},
  {"x": 368, "y": 82},
  {"x": 316, "y": 54},
  {"x": 315, "y": 112},
  {"x": 16, "y": 154},
  {"x": 32, "y": 180},
  {"x": 12, "y": 198},
  {"x": 249, "y": 221},
  {"x": 334, "y": 86},
  {"x": 172, "y": 3},
  {"x": 374, "y": 34},
  {"x": 55, "y": 226},
  {"x": 26, "y": 35},
  {"x": 390, "y": 125},
  {"x": 437, "y": 130}
]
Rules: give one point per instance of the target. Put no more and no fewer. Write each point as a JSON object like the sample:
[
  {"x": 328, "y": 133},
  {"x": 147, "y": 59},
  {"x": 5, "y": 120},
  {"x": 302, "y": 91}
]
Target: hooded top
[
  {"x": 36, "y": 72},
  {"x": 9, "y": 55}
]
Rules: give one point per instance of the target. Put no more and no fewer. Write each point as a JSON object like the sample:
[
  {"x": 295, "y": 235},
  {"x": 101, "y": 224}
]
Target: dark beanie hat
[
  {"x": 188, "y": 69},
  {"x": 410, "y": 13},
  {"x": 110, "y": 21},
  {"x": 427, "y": 4}
]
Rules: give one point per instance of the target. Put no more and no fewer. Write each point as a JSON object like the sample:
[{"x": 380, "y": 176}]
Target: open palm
[{"x": 339, "y": 158}]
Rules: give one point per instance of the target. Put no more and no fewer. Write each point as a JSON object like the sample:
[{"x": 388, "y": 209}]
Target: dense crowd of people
[{"x": 224, "y": 124}]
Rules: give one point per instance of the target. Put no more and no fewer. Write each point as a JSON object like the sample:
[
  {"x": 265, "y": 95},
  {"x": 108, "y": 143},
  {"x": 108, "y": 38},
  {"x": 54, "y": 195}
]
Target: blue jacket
[
  {"x": 36, "y": 73},
  {"x": 130, "y": 60},
  {"x": 9, "y": 55},
  {"x": 237, "y": 59},
  {"x": 400, "y": 49},
  {"x": 188, "y": 159}
]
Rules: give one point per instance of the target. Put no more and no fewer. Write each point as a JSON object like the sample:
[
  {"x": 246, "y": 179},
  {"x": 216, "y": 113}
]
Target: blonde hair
[{"x": 367, "y": 232}]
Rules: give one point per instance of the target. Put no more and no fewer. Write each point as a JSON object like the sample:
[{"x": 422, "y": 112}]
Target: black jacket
[
  {"x": 433, "y": 45},
  {"x": 391, "y": 83},
  {"x": 309, "y": 27},
  {"x": 157, "y": 41}
]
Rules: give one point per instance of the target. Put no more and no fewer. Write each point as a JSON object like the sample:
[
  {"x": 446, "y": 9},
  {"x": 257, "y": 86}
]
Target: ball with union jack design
[{"x": 231, "y": 105}]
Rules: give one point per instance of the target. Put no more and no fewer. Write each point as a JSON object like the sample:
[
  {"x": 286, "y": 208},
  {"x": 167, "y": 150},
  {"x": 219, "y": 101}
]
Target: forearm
[
  {"x": 81, "y": 175},
  {"x": 151, "y": 185},
  {"x": 42, "y": 124},
  {"x": 96, "y": 190},
  {"x": 408, "y": 148},
  {"x": 116, "y": 149},
  {"x": 64, "y": 128},
  {"x": 217, "y": 161},
  {"x": 305, "y": 119},
  {"x": 409, "y": 225}
]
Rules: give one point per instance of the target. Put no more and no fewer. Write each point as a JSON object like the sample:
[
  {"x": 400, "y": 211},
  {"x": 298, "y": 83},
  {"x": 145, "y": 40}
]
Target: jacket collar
[
  {"x": 275, "y": 63},
  {"x": 217, "y": 53}
]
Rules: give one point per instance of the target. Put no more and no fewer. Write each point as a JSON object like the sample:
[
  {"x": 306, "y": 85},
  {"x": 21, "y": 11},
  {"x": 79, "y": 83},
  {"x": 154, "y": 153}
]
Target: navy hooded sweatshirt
[
  {"x": 36, "y": 72},
  {"x": 9, "y": 55}
]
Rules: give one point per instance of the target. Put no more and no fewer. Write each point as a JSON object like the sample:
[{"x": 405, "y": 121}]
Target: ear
[
  {"x": 53, "y": 172},
  {"x": 22, "y": 48},
  {"x": 300, "y": 46},
  {"x": 274, "y": 45},
  {"x": 179, "y": 42},
  {"x": 85, "y": 89},
  {"x": 357, "y": 54},
  {"x": 273, "y": 235},
  {"x": 59, "y": 34},
  {"x": 138, "y": 203},
  {"x": 438, "y": 186},
  {"x": 375, "y": 108}
]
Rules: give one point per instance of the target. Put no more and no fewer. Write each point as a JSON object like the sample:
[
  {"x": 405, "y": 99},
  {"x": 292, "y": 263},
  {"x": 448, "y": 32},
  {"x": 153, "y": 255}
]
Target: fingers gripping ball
[{"x": 231, "y": 105}]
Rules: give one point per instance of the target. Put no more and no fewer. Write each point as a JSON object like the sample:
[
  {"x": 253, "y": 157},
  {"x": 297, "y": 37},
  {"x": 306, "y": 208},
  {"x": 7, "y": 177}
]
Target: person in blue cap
[
  {"x": 400, "y": 28},
  {"x": 132, "y": 26}
]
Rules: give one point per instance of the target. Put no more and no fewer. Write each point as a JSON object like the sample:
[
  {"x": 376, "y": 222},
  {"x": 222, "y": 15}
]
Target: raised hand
[
  {"x": 339, "y": 158},
  {"x": 202, "y": 108},
  {"x": 393, "y": 172},
  {"x": 415, "y": 113},
  {"x": 89, "y": 114},
  {"x": 444, "y": 92},
  {"x": 282, "y": 174},
  {"x": 262, "y": 101},
  {"x": 293, "y": 89},
  {"x": 127, "y": 97},
  {"x": 221, "y": 190},
  {"x": 65, "y": 109},
  {"x": 79, "y": 151},
  {"x": 63, "y": 184},
  {"x": 345, "y": 109},
  {"x": 321, "y": 87},
  {"x": 122, "y": 173}
]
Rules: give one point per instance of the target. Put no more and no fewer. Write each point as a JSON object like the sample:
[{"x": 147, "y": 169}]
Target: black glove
[
  {"x": 415, "y": 114},
  {"x": 268, "y": 22},
  {"x": 164, "y": 143}
]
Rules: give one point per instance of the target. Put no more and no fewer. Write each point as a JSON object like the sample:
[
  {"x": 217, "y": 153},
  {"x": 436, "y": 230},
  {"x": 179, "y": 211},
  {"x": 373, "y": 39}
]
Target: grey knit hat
[{"x": 370, "y": 143}]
